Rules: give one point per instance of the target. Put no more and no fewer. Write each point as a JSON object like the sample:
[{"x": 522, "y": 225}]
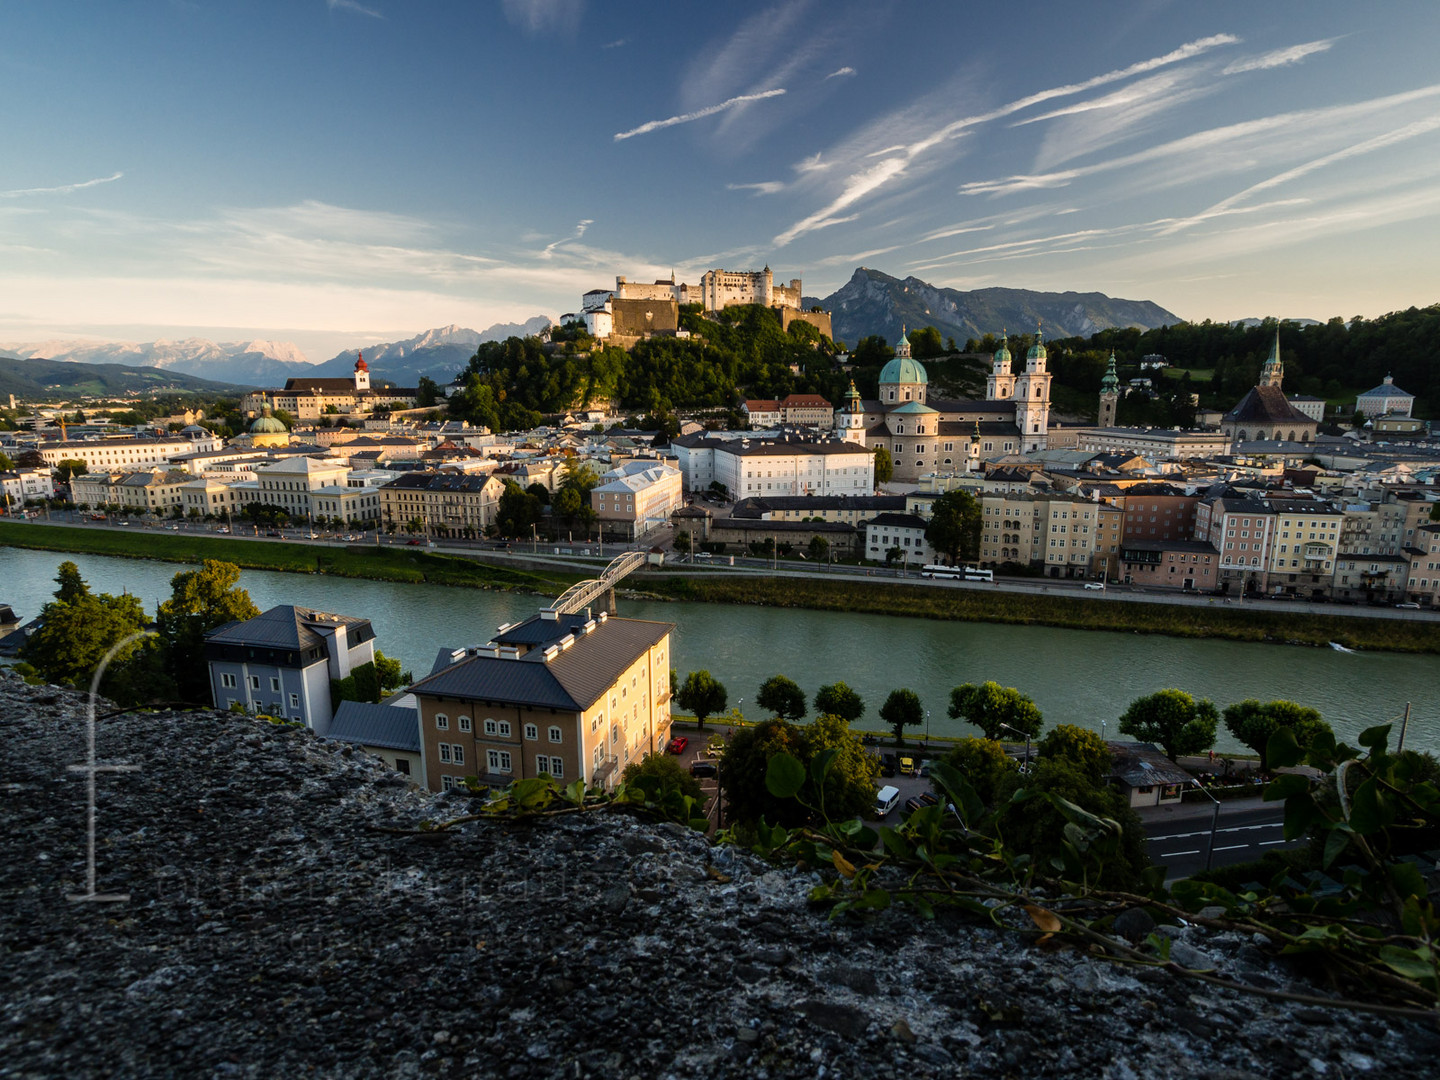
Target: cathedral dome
[
  {"x": 902, "y": 371},
  {"x": 265, "y": 424},
  {"x": 1002, "y": 354},
  {"x": 1037, "y": 351}
]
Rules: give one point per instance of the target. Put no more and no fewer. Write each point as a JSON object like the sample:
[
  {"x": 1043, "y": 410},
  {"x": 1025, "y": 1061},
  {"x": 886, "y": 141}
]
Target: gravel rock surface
[{"x": 272, "y": 931}]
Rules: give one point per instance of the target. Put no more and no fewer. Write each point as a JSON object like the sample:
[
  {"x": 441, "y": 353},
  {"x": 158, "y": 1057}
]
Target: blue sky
[{"x": 329, "y": 171}]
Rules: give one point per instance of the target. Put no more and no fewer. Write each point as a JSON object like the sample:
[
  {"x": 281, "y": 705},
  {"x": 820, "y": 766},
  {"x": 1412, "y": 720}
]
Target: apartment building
[
  {"x": 291, "y": 484},
  {"x": 449, "y": 503},
  {"x": 571, "y": 696},
  {"x": 637, "y": 498},
  {"x": 1422, "y": 583},
  {"x": 114, "y": 455},
  {"x": 1187, "y": 565},
  {"x": 1305, "y": 547},
  {"x": 1242, "y": 529},
  {"x": 282, "y": 661}
]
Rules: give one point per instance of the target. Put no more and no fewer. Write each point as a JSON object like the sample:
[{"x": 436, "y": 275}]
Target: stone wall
[{"x": 285, "y": 918}]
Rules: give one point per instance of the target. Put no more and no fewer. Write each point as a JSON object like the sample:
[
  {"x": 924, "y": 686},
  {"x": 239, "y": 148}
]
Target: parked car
[
  {"x": 907, "y": 766},
  {"x": 888, "y": 765},
  {"x": 1095, "y": 586},
  {"x": 1411, "y": 606},
  {"x": 919, "y": 802},
  {"x": 678, "y": 744},
  {"x": 886, "y": 800},
  {"x": 413, "y": 543},
  {"x": 703, "y": 768}
]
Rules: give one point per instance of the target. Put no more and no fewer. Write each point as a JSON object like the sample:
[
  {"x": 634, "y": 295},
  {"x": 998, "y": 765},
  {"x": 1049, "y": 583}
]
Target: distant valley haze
[{"x": 323, "y": 174}]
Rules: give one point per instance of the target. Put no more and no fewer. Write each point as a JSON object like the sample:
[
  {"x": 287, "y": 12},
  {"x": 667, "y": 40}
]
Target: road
[
  {"x": 582, "y": 555},
  {"x": 1179, "y": 836}
]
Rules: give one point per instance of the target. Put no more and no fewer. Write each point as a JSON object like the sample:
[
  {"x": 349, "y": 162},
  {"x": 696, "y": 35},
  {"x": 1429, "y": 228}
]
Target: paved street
[{"x": 1179, "y": 836}]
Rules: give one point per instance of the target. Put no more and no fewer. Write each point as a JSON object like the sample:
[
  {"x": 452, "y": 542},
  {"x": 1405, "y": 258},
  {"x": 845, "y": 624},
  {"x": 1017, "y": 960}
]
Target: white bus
[{"x": 957, "y": 573}]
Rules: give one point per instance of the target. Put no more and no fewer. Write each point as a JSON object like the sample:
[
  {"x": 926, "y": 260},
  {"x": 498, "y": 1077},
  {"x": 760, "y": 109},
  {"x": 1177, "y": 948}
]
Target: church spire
[{"x": 1273, "y": 373}]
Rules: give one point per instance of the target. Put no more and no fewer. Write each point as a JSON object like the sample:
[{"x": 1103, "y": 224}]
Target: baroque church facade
[
  {"x": 933, "y": 435},
  {"x": 1265, "y": 413}
]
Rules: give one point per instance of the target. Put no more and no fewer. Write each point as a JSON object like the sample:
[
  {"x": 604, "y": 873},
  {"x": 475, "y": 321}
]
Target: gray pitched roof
[
  {"x": 1143, "y": 765},
  {"x": 573, "y": 680},
  {"x": 286, "y": 627},
  {"x": 367, "y": 724}
]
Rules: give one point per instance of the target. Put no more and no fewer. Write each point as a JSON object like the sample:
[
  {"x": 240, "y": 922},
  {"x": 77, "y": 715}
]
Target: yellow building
[{"x": 572, "y": 696}]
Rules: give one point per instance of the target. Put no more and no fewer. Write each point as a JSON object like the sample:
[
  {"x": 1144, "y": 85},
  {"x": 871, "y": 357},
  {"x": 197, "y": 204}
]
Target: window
[
  {"x": 459, "y": 752},
  {"x": 227, "y": 680},
  {"x": 254, "y": 682},
  {"x": 294, "y": 701},
  {"x": 274, "y": 683},
  {"x": 442, "y": 722},
  {"x": 447, "y": 782},
  {"x": 445, "y": 752},
  {"x": 499, "y": 760},
  {"x": 504, "y": 727},
  {"x": 491, "y": 727},
  {"x": 532, "y": 732},
  {"x": 555, "y": 734},
  {"x": 464, "y": 722}
]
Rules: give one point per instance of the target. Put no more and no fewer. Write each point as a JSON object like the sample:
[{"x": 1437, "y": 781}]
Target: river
[{"x": 1075, "y": 676}]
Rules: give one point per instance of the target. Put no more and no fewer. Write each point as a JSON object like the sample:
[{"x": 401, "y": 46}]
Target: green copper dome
[
  {"x": 903, "y": 370},
  {"x": 265, "y": 424},
  {"x": 1002, "y": 354}
]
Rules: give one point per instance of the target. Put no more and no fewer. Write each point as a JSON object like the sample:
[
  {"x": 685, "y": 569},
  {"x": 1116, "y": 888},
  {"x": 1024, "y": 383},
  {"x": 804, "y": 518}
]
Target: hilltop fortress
[{"x": 633, "y": 309}]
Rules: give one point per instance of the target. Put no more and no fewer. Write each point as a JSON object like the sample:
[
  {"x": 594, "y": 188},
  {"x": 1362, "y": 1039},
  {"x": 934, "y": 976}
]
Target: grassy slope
[
  {"x": 1235, "y": 623},
  {"x": 357, "y": 561}
]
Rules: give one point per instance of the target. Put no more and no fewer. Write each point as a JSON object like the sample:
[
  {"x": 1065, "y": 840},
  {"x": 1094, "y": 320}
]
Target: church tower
[
  {"x": 362, "y": 374},
  {"x": 852, "y": 417},
  {"x": 1109, "y": 394},
  {"x": 1273, "y": 373},
  {"x": 1000, "y": 385},
  {"x": 1032, "y": 398}
]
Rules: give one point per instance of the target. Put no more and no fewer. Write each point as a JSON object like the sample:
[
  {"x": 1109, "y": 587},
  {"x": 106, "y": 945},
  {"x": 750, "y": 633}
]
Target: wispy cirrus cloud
[
  {"x": 764, "y": 187},
  {"x": 864, "y": 180},
  {"x": 580, "y": 227},
  {"x": 353, "y": 7},
  {"x": 840, "y": 73},
  {"x": 614, "y": 44},
  {"x": 1292, "y": 54},
  {"x": 62, "y": 189},
  {"x": 699, "y": 114},
  {"x": 1218, "y": 149},
  {"x": 543, "y": 16}
]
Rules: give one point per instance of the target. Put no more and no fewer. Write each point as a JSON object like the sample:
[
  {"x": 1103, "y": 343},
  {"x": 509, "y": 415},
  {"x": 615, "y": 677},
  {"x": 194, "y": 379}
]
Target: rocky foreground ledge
[{"x": 273, "y": 931}]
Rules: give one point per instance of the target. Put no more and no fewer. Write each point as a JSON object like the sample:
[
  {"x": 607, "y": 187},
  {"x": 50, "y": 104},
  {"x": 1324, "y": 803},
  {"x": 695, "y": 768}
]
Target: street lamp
[
  {"x": 927, "y": 730},
  {"x": 1026, "y": 736}
]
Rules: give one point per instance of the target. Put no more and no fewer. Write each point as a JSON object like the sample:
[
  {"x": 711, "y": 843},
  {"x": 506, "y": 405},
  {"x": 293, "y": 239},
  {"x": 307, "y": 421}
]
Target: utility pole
[{"x": 1404, "y": 724}]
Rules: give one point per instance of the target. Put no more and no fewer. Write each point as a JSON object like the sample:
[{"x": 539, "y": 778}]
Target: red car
[
  {"x": 678, "y": 744},
  {"x": 412, "y": 543}
]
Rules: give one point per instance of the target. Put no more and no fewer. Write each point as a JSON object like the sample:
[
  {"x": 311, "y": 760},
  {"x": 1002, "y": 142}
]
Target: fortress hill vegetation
[{"x": 743, "y": 352}]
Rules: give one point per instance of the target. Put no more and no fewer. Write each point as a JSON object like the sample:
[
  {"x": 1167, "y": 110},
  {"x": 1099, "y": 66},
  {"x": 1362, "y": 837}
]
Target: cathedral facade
[{"x": 931, "y": 435}]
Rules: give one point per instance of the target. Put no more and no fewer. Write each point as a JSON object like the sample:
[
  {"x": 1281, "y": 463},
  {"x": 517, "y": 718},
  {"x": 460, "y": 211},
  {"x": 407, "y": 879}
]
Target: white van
[{"x": 886, "y": 799}]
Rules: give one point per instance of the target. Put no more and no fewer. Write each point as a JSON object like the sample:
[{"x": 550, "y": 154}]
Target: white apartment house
[
  {"x": 637, "y": 497},
  {"x": 760, "y": 468},
  {"x": 292, "y": 483},
  {"x": 113, "y": 455}
]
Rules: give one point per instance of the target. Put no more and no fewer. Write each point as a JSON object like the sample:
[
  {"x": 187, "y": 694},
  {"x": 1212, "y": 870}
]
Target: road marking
[
  {"x": 1176, "y": 854},
  {"x": 1267, "y": 843},
  {"x": 1233, "y": 847}
]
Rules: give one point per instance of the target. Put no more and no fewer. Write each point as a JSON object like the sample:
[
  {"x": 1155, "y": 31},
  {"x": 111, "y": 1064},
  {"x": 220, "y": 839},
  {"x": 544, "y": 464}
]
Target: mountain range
[
  {"x": 438, "y": 353},
  {"x": 872, "y": 303},
  {"x": 39, "y": 379}
]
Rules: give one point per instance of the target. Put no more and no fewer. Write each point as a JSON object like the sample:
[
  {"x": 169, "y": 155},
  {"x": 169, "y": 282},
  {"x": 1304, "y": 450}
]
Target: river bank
[
  {"x": 409, "y": 565},
  {"x": 1070, "y": 613}
]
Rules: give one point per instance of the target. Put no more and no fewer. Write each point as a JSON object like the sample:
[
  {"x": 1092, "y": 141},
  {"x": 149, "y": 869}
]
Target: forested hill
[
  {"x": 513, "y": 383},
  {"x": 1333, "y": 360},
  {"x": 39, "y": 380}
]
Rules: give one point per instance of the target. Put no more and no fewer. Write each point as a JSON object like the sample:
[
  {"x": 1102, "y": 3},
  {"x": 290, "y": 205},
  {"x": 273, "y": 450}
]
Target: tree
[
  {"x": 984, "y": 763},
  {"x": 884, "y": 466},
  {"x": 7, "y": 463},
  {"x": 70, "y": 468},
  {"x": 848, "y": 790},
  {"x": 667, "y": 770},
  {"x": 1174, "y": 720},
  {"x": 200, "y": 600},
  {"x": 838, "y": 699},
  {"x": 989, "y": 706},
  {"x": 427, "y": 392},
  {"x": 78, "y": 628},
  {"x": 701, "y": 695},
  {"x": 902, "y": 709},
  {"x": 820, "y": 548},
  {"x": 517, "y": 512},
  {"x": 742, "y": 773},
  {"x": 954, "y": 528},
  {"x": 782, "y": 697},
  {"x": 1253, "y": 723},
  {"x": 925, "y": 343},
  {"x": 540, "y": 491},
  {"x": 1082, "y": 748}
]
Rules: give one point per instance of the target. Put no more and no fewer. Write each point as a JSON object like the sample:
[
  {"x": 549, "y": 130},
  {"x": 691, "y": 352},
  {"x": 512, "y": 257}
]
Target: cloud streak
[
  {"x": 541, "y": 16},
  {"x": 698, "y": 114},
  {"x": 839, "y": 73},
  {"x": 870, "y": 179},
  {"x": 353, "y": 7},
  {"x": 764, "y": 187},
  {"x": 1279, "y": 57},
  {"x": 63, "y": 189}
]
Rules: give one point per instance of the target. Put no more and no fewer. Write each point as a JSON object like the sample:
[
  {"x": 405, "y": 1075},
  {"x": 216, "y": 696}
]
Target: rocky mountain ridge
[
  {"x": 286, "y": 916},
  {"x": 439, "y": 353},
  {"x": 872, "y": 302}
]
